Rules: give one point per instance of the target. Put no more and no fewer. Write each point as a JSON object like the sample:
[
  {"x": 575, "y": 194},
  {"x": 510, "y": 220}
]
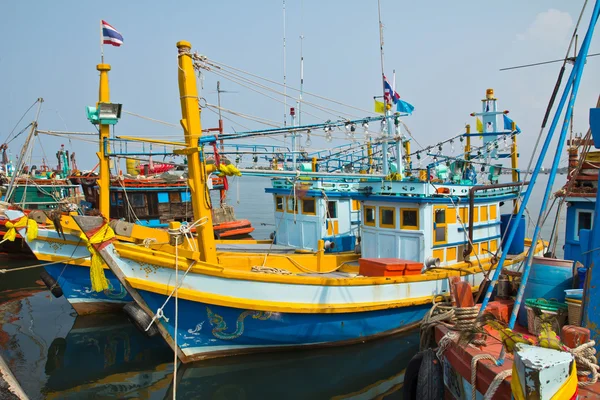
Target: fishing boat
[
  {"x": 260, "y": 301},
  {"x": 539, "y": 336}
]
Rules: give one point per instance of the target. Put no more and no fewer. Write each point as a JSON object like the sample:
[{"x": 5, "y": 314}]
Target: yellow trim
[
  {"x": 274, "y": 306},
  {"x": 439, "y": 225},
  {"x": 483, "y": 213},
  {"x": 451, "y": 215},
  {"x": 388, "y": 226},
  {"x": 493, "y": 245},
  {"x": 439, "y": 253},
  {"x": 485, "y": 247},
  {"x": 355, "y": 205},
  {"x": 475, "y": 248},
  {"x": 475, "y": 214},
  {"x": 314, "y": 202},
  {"x": 333, "y": 227},
  {"x": 464, "y": 215},
  {"x": 493, "y": 212},
  {"x": 366, "y": 211},
  {"x": 409, "y": 227},
  {"x": 451, "y": 253},
  {"x": 247, "y": 260},
  {"x": 277, "y": 207}
]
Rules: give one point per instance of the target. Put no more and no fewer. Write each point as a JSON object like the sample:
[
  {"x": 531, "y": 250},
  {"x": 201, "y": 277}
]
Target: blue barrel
[
  {"x": 581, "y": 274},
  {"x": 548, "y": 279},
  {"x": 518, "y": 244}
]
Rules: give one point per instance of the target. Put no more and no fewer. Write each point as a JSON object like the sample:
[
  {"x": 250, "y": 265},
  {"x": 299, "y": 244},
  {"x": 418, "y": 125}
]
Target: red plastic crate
[{"x": 388, "y": 267}]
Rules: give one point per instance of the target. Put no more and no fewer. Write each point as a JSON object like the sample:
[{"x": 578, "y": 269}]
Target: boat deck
[
  {"x": 460, "y": 358},
  {"x": 256, "y": 248}
]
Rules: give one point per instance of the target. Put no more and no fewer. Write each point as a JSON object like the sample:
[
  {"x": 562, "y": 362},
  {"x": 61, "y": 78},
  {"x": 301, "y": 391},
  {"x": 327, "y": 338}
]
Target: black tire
[
  {"x": 430, "y": 385},
  {"x": 140, "y": 319},
  {"x": 51, "y": 284},
  {"x": 411, "y": 376}
]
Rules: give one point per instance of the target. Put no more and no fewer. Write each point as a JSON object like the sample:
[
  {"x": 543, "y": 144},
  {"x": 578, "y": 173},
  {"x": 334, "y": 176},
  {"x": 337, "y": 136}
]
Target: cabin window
[
  {"x": 174, "y": 197},
  {"x": 113, "y": 199},
  {"x": 409, "y": 218},
  {"x": 279, "y": 203},
  {"x": 483, "y": 213},
  {"x": 493, "y": 212},
  {"x": 163, "y": 197},
  {"x": 369, "y": 218},
  {"x": 137, "y": 200},
  {"x": 440, "y": 231},
  {"x": 387, "y": 217},
  {"x": 185, "y": 197},
  {"x": 292, "y": 205},
  {"x": 309, "y": 206},
  {"x": 584, "y": 221},
  {"x": 332, "y": 209}
]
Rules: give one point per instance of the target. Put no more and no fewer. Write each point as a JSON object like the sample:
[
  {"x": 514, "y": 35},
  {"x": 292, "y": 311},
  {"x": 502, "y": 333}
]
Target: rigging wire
[{"x": 21, "y": 119}]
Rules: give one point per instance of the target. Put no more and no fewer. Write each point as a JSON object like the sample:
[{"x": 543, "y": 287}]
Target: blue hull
[
  {"x": 206, "y": 331},
  {"x": 76, "y": 285}
]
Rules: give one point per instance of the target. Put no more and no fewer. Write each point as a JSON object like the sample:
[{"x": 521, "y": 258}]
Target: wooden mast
[{"x": 192, "y": 128}]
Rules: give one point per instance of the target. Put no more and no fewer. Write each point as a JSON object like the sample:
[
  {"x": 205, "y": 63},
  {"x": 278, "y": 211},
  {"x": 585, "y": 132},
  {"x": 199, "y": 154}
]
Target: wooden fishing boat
[{"x": 259, "y": 301}]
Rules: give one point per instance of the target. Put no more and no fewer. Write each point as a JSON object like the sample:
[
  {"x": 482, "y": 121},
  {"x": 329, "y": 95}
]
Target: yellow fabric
[
  {"x": 23, "y": 222},
  {"x": 566, "y": 391},
  {"x": 379, "y": 107},
  {"x": 229, "y": 170},
  {"x": 479, "y": 125},
  {"x": 99, "y": 281},
  {"x": 509, "y": 337},
  {"x": 548, "y": 338}
]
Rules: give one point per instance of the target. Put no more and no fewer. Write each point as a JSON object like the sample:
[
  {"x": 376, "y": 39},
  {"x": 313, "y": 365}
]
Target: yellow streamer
[
  {"x": 23, "y": 222},
  {"x": 99, "y": 281},
  {"x": 229, "y": 170}
]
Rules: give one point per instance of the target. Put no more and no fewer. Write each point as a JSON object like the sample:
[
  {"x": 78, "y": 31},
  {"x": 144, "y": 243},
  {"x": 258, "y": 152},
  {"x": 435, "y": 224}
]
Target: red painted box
[{"x": 388, "y": 267}]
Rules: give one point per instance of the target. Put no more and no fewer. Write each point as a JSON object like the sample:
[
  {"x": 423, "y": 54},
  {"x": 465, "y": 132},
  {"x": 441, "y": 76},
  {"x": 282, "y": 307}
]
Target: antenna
[{"x": 285, "y": 110}]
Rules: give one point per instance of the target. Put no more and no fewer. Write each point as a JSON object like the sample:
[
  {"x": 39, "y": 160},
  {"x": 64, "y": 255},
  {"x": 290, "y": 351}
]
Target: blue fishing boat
[{"x": 207, "y": 303}]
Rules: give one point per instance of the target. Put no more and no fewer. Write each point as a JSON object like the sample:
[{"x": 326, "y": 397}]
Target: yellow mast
[
  {"x": 192, "y": 127},
  {"x": 104, "y": 179}
]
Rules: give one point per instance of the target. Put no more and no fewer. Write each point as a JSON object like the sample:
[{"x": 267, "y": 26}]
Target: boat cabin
[{"x": 313, "y": 210}]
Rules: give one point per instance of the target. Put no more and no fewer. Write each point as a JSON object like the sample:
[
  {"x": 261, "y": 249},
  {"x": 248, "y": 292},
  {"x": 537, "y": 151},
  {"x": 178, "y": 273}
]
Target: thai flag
[
  {"x": 389, "y": 95},
  {"x": 111, "y": 35}
]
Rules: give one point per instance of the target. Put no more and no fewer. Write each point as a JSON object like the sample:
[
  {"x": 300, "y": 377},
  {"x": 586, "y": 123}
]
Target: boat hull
[
  {"x": 208, "y": 331},
  {"x": 77, "y": 289}
]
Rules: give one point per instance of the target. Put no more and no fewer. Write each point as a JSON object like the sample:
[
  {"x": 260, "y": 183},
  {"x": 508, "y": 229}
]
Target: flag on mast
[
  {"x": 389, "y": 95},
  {"x": 110, "y": 35}
]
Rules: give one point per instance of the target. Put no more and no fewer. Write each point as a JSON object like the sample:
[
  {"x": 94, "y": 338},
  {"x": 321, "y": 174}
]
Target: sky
[{"x": 445, "y": 54}]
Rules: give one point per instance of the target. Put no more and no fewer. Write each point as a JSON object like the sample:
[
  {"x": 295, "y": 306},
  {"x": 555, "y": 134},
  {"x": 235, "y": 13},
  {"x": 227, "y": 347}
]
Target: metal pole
[{"x": 387, "y": 113}]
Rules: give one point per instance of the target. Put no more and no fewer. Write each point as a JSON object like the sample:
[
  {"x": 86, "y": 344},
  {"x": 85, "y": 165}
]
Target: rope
[
  {"x": 270, "y": 270},
  {"x": 474, "y": 362},
  {"x": 440, "y": 313},
  {"x": 586, "y": 361},
  {"x": 176, "y": 317},
  {"x": 6, "y": 270},
  {"x": 445, "y": 341},
  {"x": 489, "y": 394}
]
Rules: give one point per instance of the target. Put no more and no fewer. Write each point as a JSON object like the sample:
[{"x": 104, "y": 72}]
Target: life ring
[
  {"x": 140, "y": 319},
  {"x": 423, "y": 378},
  {"x": 51, "y": 284}
]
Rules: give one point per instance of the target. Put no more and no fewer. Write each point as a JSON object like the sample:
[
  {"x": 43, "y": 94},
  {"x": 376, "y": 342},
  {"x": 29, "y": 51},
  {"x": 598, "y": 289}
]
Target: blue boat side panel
[
  {"x": 76, "y": 285},
  {"x": 572, "y": 241},
  {"x": 343, "y": 243},
  {"x": 203, "y": 328}
]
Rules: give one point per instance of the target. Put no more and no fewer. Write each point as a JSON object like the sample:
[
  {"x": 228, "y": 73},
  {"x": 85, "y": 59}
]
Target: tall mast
[
  {"x": 104, "y": 179},
  {"x": 384, "y": 143},
  {"x": 220, "y": 116},
  {"x": 192, "y": 128},
  {"x": 301, "y": 81},
  {"x": 285, "y": 110},
  {"x": 24, "y": 149}
]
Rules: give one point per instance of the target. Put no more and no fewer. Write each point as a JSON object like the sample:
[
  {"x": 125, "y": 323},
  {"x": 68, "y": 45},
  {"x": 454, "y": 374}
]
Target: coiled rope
[{"x": 586, "y": 361}]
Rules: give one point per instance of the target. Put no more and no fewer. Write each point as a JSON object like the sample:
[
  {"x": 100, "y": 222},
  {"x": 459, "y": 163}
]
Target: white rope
[
  {"x": 474, "y": 362},
  {"x": 175, "y": 350},
  {"x": 498, "y": 379},
  {"x": 445, "y": 341},
  {"x": 270, "y": 270},
  {"x": 587, "y": 364}
]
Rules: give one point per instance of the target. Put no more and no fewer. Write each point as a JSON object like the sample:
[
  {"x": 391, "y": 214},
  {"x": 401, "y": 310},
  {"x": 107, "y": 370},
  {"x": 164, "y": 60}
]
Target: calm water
[{"x": 57, "y": 355}]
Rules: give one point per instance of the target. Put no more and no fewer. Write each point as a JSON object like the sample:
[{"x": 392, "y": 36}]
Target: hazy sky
[{"x": 445, "y": 55}]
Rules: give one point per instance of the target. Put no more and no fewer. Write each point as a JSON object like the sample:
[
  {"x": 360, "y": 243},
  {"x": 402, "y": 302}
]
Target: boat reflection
[{"x": 106, "y": 357}]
